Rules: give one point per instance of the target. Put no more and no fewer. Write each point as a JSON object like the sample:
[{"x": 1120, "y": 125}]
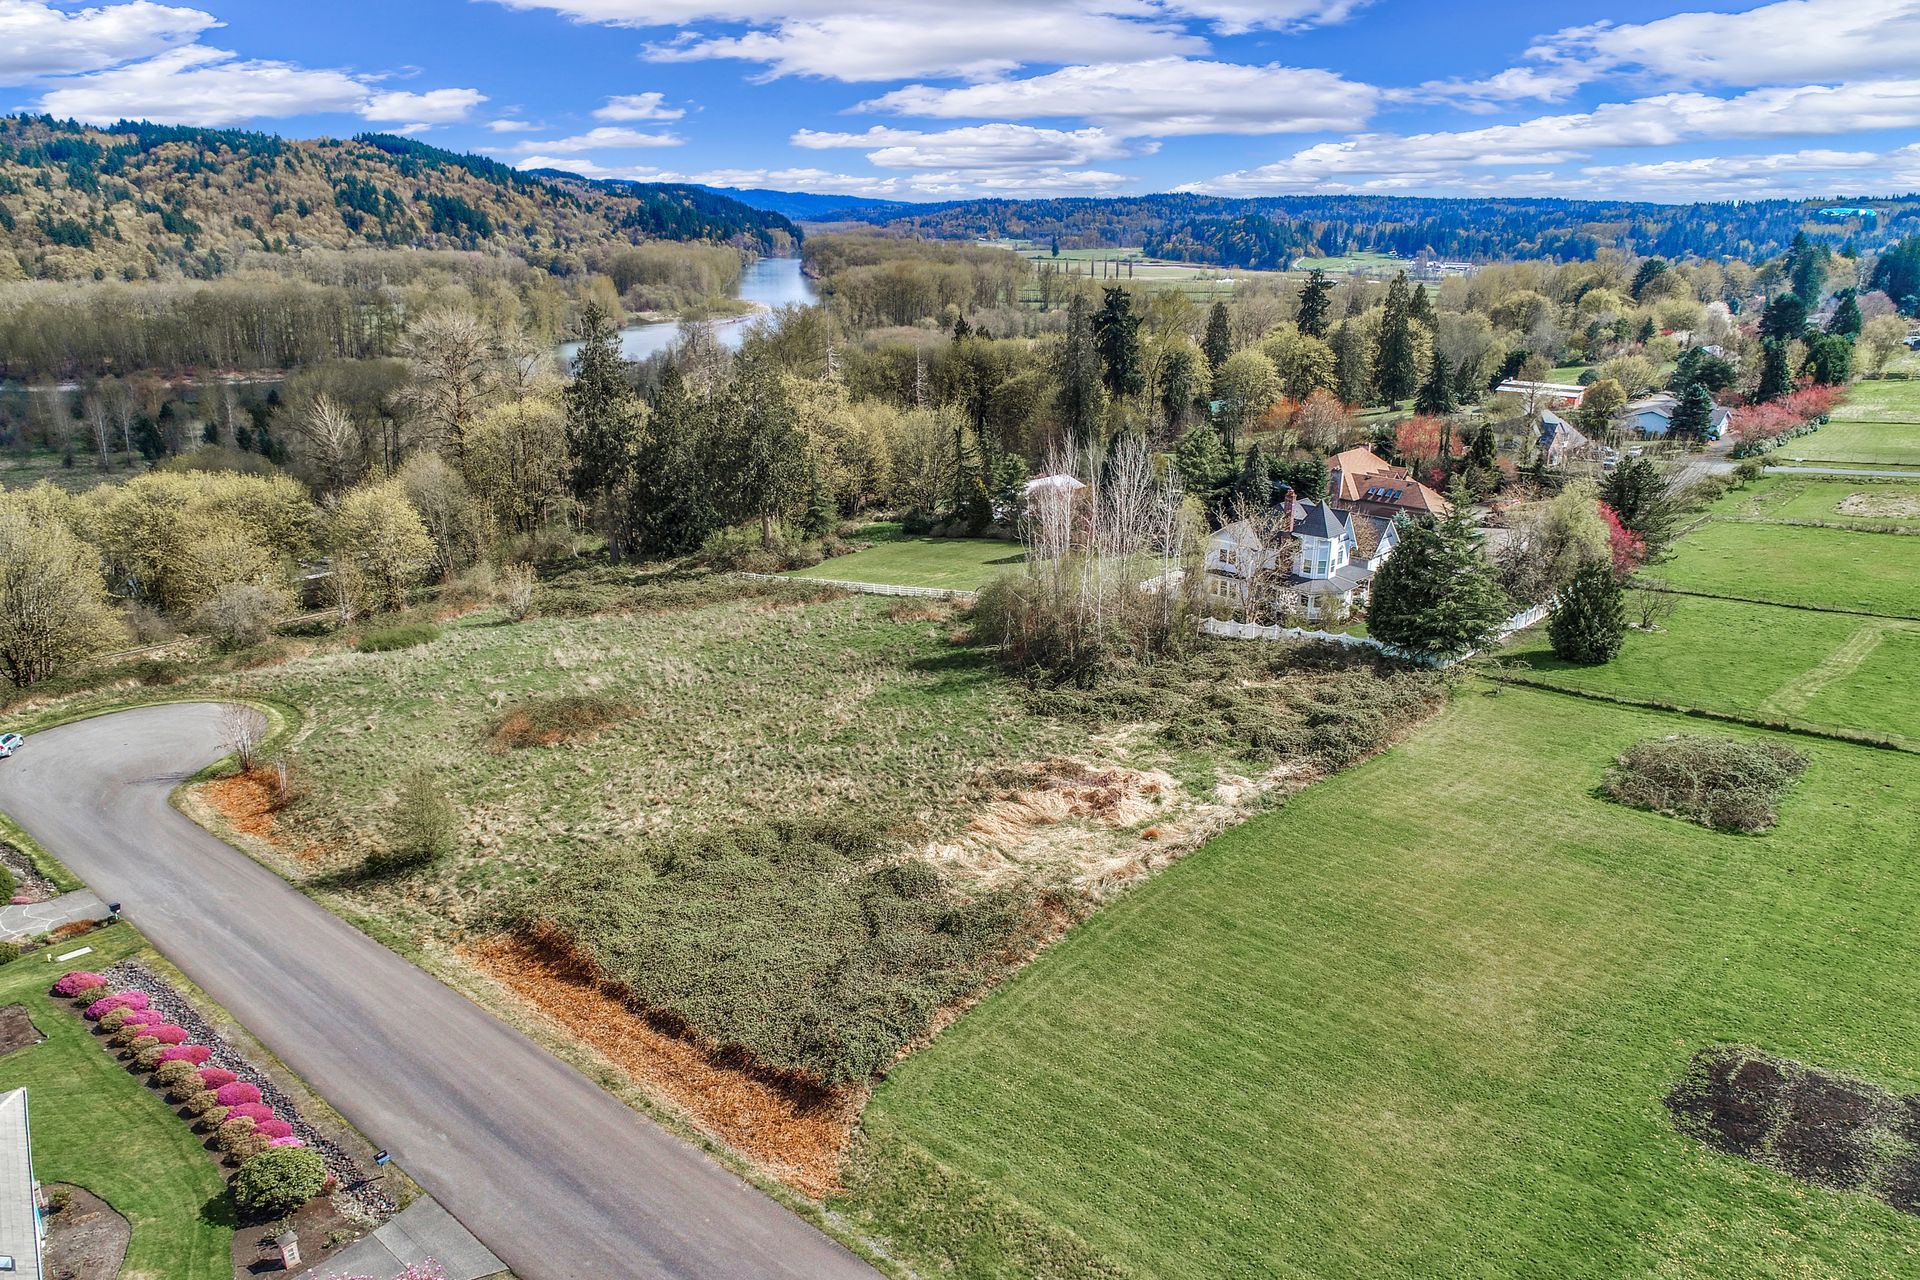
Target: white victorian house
[{"x": 1324, "y": 560}]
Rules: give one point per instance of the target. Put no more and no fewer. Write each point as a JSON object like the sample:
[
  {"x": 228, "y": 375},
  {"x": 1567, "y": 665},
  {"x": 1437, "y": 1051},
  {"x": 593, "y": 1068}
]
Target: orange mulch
[
  {"x": 797, "y": 1135},
  {"x": 248, "y": 801}
]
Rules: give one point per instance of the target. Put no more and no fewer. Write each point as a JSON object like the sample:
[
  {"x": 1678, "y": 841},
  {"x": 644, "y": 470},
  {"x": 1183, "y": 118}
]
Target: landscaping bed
[{"x": 86, "y": 1237}]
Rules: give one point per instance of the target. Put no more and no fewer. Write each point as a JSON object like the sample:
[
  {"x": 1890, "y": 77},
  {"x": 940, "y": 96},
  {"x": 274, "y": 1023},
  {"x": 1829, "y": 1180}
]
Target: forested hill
[
  {"x": 1253, "y": 232},
  {"x": 135, "y": 201}
]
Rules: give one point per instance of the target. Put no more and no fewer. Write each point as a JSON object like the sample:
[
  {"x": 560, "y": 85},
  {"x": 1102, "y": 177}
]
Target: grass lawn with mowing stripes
[
  {"x": 1873, "y": 443},
  {"x": 1870, "y": 504},
  {"x": 1785, "y": 564},
  {"x": 1885, "y": 400},
  {"x": 1420, "y": 1021},
  {"x": 1883, "y": 686},
  {"x": 960, "y": 564},
  {"x": 94, "y": 1125}
]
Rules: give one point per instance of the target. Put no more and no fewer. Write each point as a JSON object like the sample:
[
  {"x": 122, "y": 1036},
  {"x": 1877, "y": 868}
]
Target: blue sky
[{"x": 936, "y": 99}]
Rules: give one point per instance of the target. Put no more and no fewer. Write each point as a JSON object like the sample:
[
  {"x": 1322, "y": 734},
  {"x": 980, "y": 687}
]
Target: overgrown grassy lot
[
  {"x": 95, "y": 1125},
  {"x": 1784, "y": 564},
  {"x": 1755, "y": 660},
  {"x": 1871, "y": 442},
  {"x": 1420, "y": 1022},
  {"x": 1857, "y": 503},
  {"x": 959, "y": 564}
]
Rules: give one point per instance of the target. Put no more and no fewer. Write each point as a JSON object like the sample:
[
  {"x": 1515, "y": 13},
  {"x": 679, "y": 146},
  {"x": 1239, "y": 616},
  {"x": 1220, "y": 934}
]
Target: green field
[
  {"x": 95, "y": 1125},
  {"x": 1784, "y": 564},
  {"x": 958, "y": 564},
  {"x": 1804, "y": 668},
  {"x": 23, "y": 471},
  {"x": 1787, "y": 499},
  {"x": 1419, "y": 1022},
  {"x": 1881, "y": 401},
  {"x": 1887, "y": 444}
]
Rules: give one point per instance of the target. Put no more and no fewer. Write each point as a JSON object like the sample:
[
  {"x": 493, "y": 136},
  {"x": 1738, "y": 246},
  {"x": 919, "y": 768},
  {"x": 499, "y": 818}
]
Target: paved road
[{"x": 558, "y": 1178}]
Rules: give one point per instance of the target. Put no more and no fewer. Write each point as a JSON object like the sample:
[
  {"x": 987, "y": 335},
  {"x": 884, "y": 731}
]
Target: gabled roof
[
  {"x": 1368, "y": 533},
  {"x": 1358, "y": 460},
  {"x": 1321, "y": 521},
  {"x": 1240, "y": 534}
]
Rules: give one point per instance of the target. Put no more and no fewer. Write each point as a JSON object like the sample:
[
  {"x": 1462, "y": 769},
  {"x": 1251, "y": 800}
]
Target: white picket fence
[
  {"x": 868, "y": 588},
  {"x": 1252, "y": 631}
]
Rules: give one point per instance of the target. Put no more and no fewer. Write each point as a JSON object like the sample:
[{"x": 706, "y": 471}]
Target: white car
[{"x": 10, "y": 743}]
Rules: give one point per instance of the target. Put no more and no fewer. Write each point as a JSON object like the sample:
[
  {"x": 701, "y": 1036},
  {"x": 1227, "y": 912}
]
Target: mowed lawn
[
  {"x": 1857, "y": 503},
  {"x": 1870, "y": 443},
  {"x": 1419, "y": 1022},
  {"x": 1786, "y": 564},
  {"x": 1884, "y": 400},
  {"x": 94, "y": 1125},
  {"x": 958, "y": 564}
]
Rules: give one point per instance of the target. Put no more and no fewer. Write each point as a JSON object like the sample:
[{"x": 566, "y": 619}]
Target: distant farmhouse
[
  {"x": 1553, "y": 393},
  {"x": 1561, "y": 442},
  {"x": 1652, "y": 417}
]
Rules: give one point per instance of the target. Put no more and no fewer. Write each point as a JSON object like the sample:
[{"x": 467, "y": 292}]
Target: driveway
[{"x": 558, "y": 1178}]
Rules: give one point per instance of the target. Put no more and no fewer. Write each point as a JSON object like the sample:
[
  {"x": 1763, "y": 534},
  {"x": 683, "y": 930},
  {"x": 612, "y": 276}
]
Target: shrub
[
  {"x": 422, "y": 825},
  {"x": 168, "y": 1034},
  {"x": 125, "y": 1036},
  {"x": 194, "y": 1053},
  {"x": 232, "y": 1095},
  {"x": 273, "y": 1128},
  {"x": 113, "y": 1019},
  {"x": 140, "y": 1041},
  {"x": 254, "y": 1111},
  {"x": 516, "y": 587},
  {"x": 119, "y": 1000},
  {"x": 72, "y": 984},
  {"x": 147, "y": 1056},
  {"x": 407, "y": 635},
  {"x": 286, "y": 1142},
  {"x": 280, "y": 1180},
  {"x": 170, "y": 1074},
  {"x": 246, "y": 1148},
  {"x": 1730, "y": 784},
  {"x": 542, "y": 722},
  {"x": 214, "y": 1077},
  {"x": 240, "y": 614},
  {"x": 201, "y": 1103},
  {"x": 135, "y": 1018},
  {"x": 228, "y": 1132}
]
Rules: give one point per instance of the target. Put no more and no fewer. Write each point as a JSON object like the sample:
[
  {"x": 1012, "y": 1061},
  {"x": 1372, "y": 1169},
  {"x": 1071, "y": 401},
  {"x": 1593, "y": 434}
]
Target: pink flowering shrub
[
  {"x": 254, "y": 1111},
  {"x": 214, "y": 1077},
  {"x": 168, "y": 1034},
  {"x": 138, "y": 1017},
  {"x": 120, "y": 1000},
  {"x": 288, "y": 1142},
  {"x": 232, "y": 1095},
  {"x": 20, "y": 900},
  {"x": 194, "y": 1053},
  {"x": 72, "y": 984},
  {"x": 273, "y": 1129}
]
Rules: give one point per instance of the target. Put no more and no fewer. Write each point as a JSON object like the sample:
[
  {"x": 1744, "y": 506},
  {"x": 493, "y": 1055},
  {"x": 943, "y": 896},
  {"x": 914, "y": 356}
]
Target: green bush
[
  {"x": 231, "y": 1132},
  {"x": 423, "y": 824},
  {"x": 9, "y": 885},
  {"x": 280, "y": 1180},
  {"x": 1730, "y": 784},
  {"x": 405, "y": 636},
  {"x": 808, "y": 945},
  {"x": 112, "y": 1020},
  {"x": 201, "y": 1103},
  {"x": 1589, "y": 621},
  {"x": 169, "y": 1074}
]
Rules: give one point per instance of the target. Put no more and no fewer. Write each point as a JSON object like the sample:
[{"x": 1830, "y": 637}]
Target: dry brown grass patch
[
  {"x": 1869, "y": 505},
  {"x": 248, "y": 803},
  {"x": 796, "y": 1135},
  {"x": 545, "y": 722},
  {"x": 919, "y": 609}
]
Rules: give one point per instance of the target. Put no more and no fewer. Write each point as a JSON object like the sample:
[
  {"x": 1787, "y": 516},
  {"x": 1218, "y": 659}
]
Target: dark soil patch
[
  {"x": 543, "y": 722},
  {"x": 86, "y": 1237},
  {"x": 1826, "y": 1129},
  {"x": 16, "y": 1029},
  {"x": 28, "y": 884},
  {"x": 317, "y": 1222}
]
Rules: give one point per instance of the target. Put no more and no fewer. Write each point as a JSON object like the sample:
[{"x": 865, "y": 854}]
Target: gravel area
[
  {"x": 356, "y": 1196},
  {"x": 28, "y": 881}
]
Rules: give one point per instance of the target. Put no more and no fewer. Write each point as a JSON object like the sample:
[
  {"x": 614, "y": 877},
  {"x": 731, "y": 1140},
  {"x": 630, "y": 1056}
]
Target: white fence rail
[
  {"x": 868, "y": 588},
  {"x": 1253, "y": 631}
]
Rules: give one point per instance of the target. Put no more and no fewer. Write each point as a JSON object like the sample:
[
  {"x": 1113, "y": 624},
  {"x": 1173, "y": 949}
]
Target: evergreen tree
[
  {"x": 768, "y": 452},
  {"x": 673, "y": 497},
  {"x": 604, "y": 419},
  {"x": 1205, "y": 466},
  {"x": 1435, "y": 398},
  {"x": 1219, "y": 340},
  {"x": 1693, "y": 416},
  {"x": 1776, "y": 379},
  {"x": 1637, "y": 492},
  {"x": 821, "y": 512},
  {"x": 1589, "y": 622},
  {"x": 1699, "y": 366},
  {"x": 1116, "y": 335},
  {"x": 1784, "y": 319},
  {"x": 1829, "y": 360},
  {"x": 1846, "y": 321},
  {"x": 1353, "y": 375},
  {"x": 1316, "y": 301},
  {"x": 1436, "y": 595},
  {"x": 1255, "y": 486},
  {"x": 1307, "y": 477},
  {"x": 1080, "y": 401},
  {"x": 1650, "y": 270},
  {"x": 1485, "y": 450},
  {"x": 961, "y": 329},
  {"x": 1897, "y": 274},
  {"x": 1420, "y": 307},
  {"x": 1807, "y": 269},
  {"x": 1396, "y": 373}
]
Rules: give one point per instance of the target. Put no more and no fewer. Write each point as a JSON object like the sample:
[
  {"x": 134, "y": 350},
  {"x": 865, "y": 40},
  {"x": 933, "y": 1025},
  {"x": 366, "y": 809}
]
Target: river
[{"x": 770, "y": 282}]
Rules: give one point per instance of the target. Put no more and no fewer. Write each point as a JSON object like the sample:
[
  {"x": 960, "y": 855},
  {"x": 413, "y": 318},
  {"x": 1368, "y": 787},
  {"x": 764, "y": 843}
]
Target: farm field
[
  {"x": 958, "y": 564},
  {"x": 1855, "y": 502},
  {"x": 1879, "y": 684},
  {"x": 96, "y": 1126},
  {"x": 1785, "y": 564},
  {"x": 18, "y": 471},
  {"x": 1790, "y": 666},
  {"x": 1857, "y": 443},
  {"x": 1883, "y": 400},
  {"x": 1419, "y": 1021}
]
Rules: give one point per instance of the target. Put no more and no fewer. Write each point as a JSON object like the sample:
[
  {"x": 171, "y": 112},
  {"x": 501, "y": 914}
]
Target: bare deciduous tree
[
  {"x": 244, "y": 729},
  {"x": 332, "y": 441}
]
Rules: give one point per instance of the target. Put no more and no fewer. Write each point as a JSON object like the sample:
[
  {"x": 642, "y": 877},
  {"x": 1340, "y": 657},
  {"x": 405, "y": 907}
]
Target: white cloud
[
  {"x": 987, "y": 146},
  {"x": 37, "y": 40},
  {"x": 512, "y": 126},
  {"x": 604, "y": 138},
  {"x": 1791, "y": 41},
  {"x": 436, "y": 106},
  {"x": 196, "y": 85},
  {"x": 1515, "y": 84},
  {"x": 1162, "y": 97},
  {"x": 1232, "y": 17},
  {"x": 638, "y": 106},
  {"x": 1011, "y": 180}
]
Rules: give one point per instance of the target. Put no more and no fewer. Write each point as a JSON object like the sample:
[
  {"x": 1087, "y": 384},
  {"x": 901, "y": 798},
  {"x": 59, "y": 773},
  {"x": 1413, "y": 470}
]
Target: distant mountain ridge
[
  {"x": 136, "y": 200},
  {"x": 810, "y": 207}
]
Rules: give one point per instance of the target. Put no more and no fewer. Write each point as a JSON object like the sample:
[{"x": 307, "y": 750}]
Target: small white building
[
  {"x": 1560, "y": 440},
  {"x": 1569, "y": 394}
]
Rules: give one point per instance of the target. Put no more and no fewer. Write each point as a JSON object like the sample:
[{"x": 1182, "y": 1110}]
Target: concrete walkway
[
  {"x": 35, "y": 918},
  {"x": 422, "y": 1231}
]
